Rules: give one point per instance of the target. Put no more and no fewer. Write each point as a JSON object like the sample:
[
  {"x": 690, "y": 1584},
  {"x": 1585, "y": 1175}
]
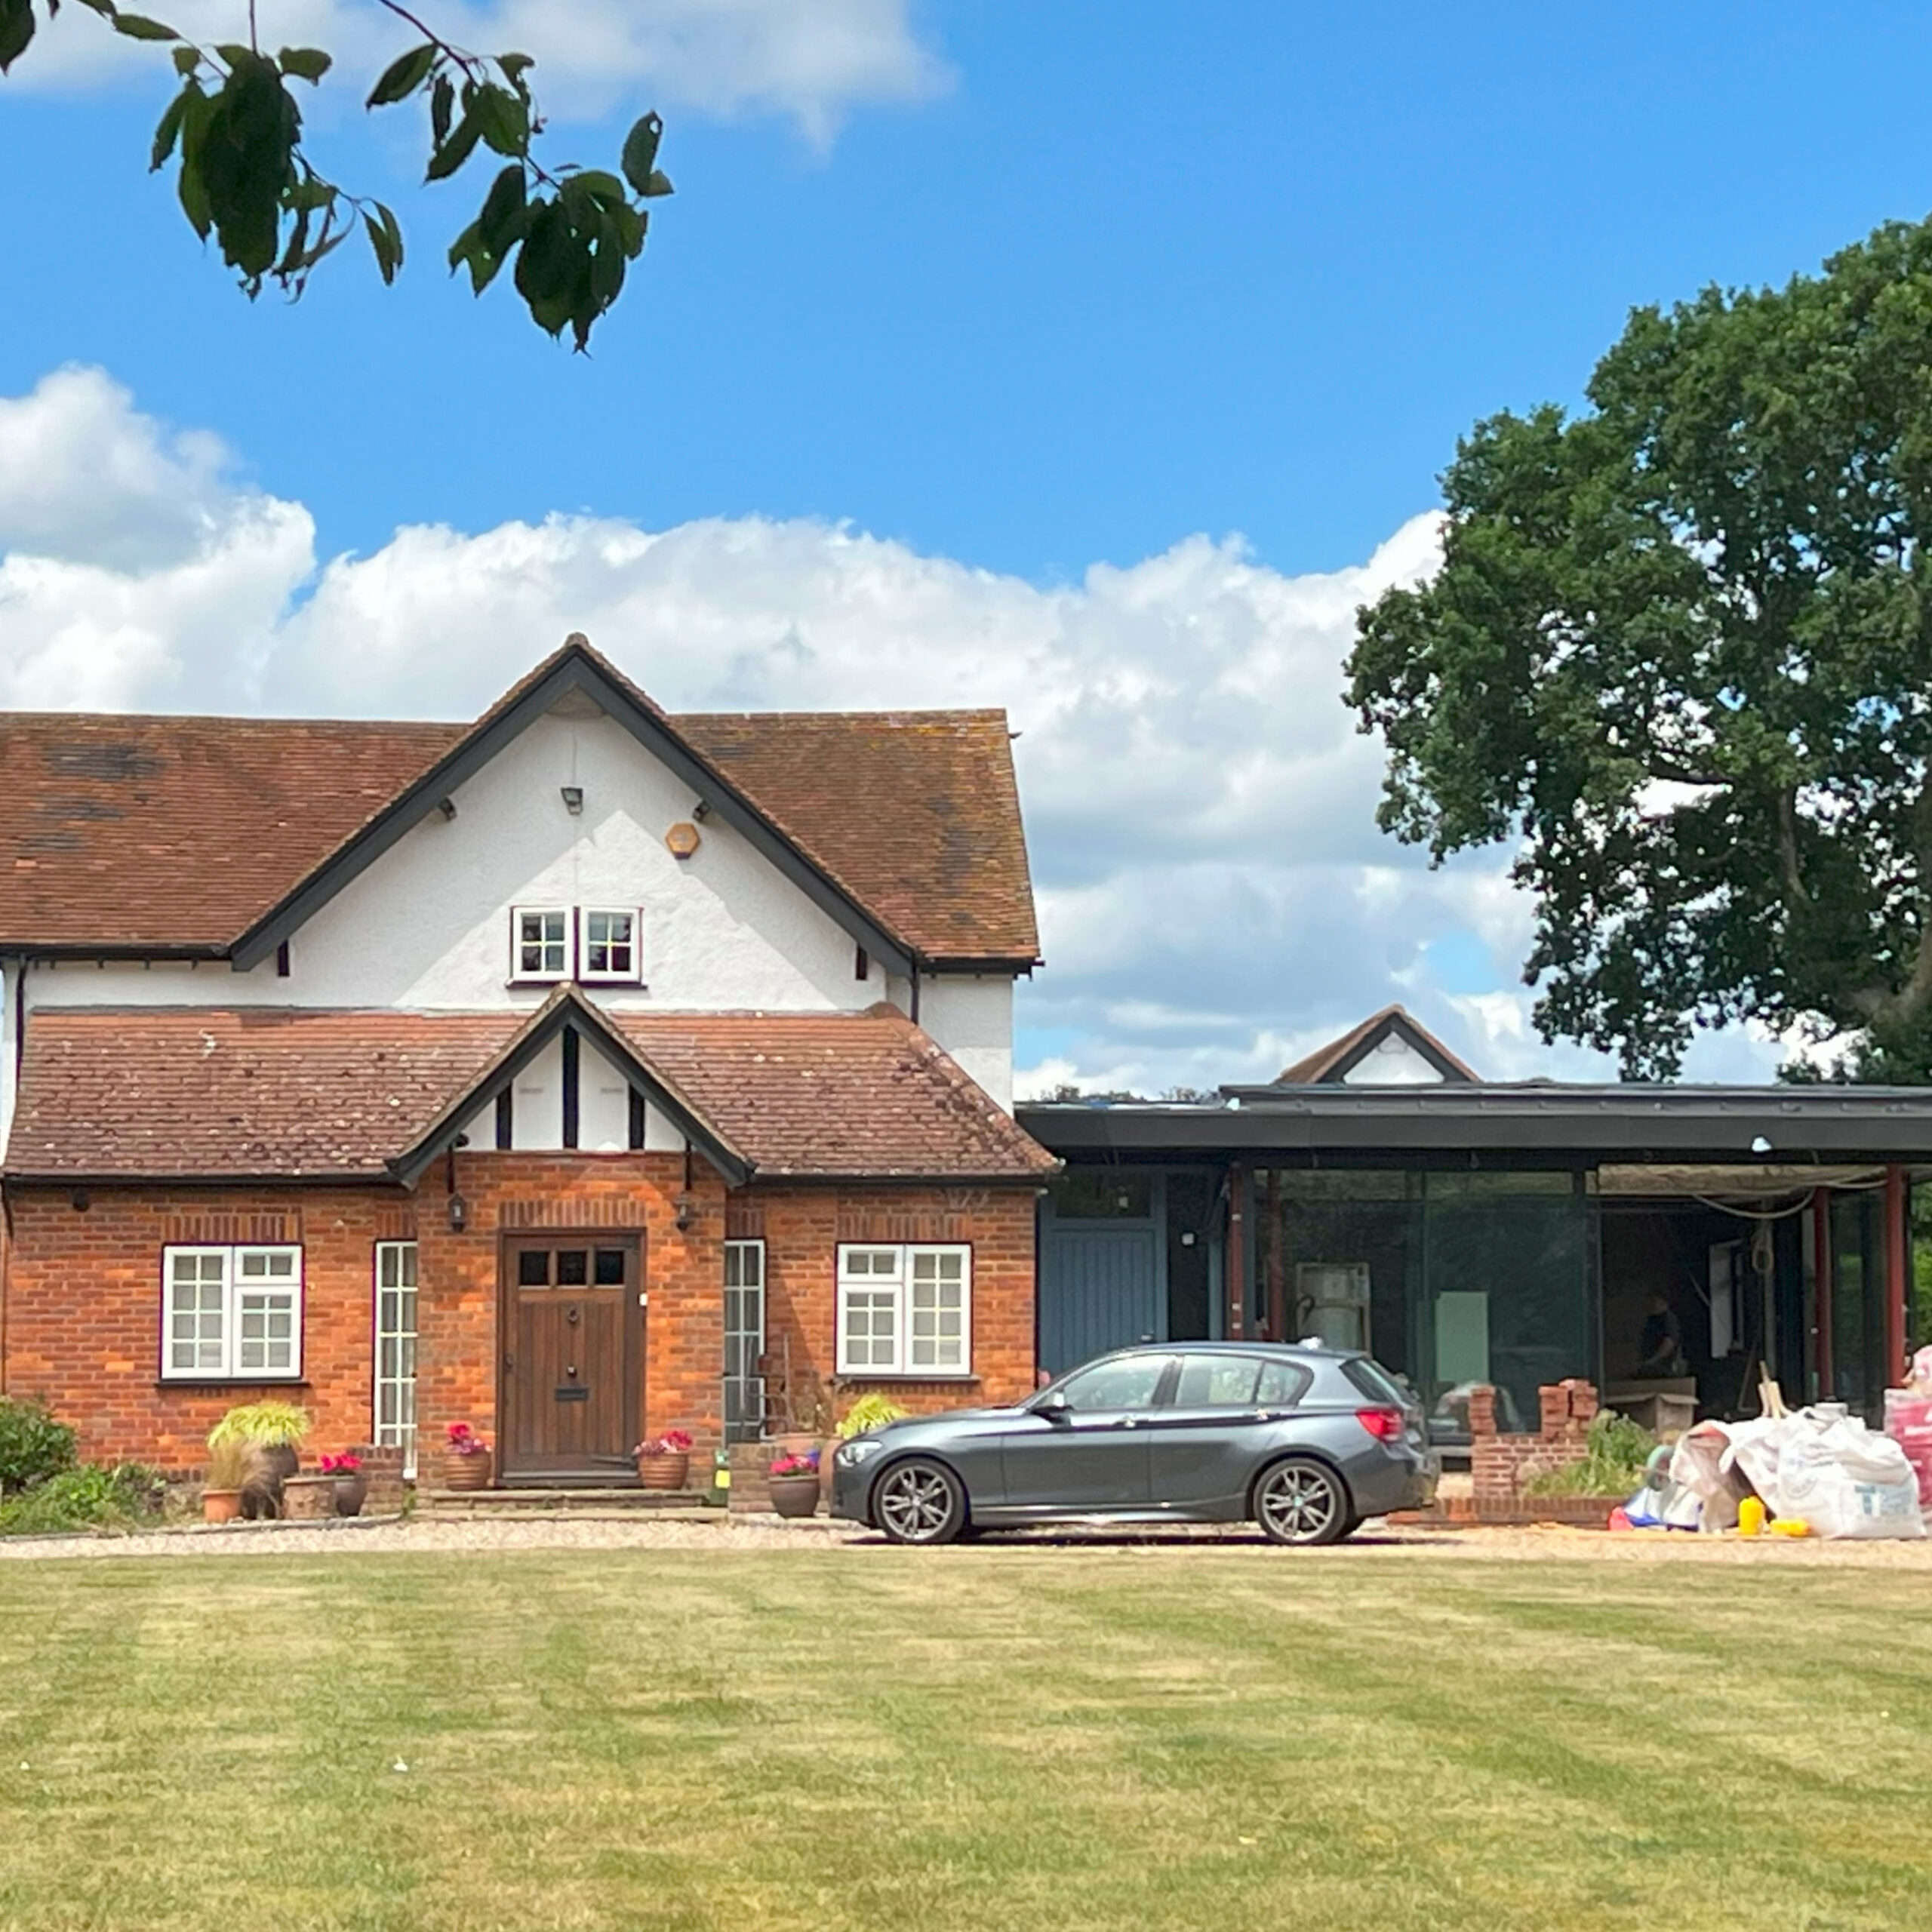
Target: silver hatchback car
[{"x": 1305, "y": 1441}]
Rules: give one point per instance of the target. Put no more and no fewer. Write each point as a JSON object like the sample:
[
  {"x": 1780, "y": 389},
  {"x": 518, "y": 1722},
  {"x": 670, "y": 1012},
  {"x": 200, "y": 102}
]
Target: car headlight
[{"x": 855, "y": 1452}]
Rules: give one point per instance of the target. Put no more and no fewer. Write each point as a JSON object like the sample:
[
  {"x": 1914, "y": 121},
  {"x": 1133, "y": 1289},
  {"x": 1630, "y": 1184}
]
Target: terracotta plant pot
[
  {"x": 352, "y": 1491},
  {"x": 466, "y": 1471},
  {"x": 220, "y": 1506},
  {"x": 308, "y": 1499},
  {"x": 668, "y": 1469},
  {"x": 795, "y": 1495}
]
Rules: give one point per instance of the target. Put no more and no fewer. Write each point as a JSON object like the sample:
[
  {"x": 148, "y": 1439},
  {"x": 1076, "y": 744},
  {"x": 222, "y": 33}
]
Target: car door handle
[{"x": 1131, "y": 1422}]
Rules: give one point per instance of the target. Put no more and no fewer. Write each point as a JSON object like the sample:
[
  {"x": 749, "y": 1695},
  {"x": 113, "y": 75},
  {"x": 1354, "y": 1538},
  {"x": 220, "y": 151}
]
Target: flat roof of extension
[{"x": 1518, "y": 1123}]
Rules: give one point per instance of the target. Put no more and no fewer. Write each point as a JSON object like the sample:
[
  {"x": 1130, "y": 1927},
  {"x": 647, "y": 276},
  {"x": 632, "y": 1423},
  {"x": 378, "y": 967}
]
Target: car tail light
[{"x": 1385, "y": 1425}]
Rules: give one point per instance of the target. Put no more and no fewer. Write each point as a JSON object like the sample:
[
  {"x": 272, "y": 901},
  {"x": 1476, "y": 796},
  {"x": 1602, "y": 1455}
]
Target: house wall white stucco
[{"x": 427, "y": 926}]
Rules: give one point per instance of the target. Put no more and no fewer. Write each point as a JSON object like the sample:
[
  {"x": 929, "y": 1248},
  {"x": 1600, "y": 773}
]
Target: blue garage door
[{"x": 1098, "y": 1290}]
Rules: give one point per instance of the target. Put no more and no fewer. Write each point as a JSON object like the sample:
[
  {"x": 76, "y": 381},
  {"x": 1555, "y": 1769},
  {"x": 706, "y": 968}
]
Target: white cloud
[
  {"x": 813, "y": 62},
  {"x": 1215, "y": 898}
]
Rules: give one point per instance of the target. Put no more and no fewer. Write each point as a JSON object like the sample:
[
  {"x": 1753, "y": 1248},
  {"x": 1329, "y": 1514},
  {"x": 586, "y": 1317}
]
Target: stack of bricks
[
  {"x": 1499, "y": 1464},
  {"x": 383, "y": 1469}
]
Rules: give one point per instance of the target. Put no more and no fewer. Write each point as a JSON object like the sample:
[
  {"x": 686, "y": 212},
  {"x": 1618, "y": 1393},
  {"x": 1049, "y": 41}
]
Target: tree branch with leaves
[
  {"x": 234, "y": 134},
  {"x": 1678, "y": 654}
]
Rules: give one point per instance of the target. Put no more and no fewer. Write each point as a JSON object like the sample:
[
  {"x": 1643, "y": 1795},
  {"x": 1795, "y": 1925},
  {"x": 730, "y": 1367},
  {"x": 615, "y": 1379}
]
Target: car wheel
[
  {"x": 1301, "y": 1501},
  {"x": 919, "y": 1502}
]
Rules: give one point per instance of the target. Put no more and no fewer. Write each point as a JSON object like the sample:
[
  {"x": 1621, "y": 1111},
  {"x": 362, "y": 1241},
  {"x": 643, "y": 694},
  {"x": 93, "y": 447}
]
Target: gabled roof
[
  {"x": 205, "y": 836},
  {"x": 1335, "y": 1062},
  {"x": 182, "y": 1093}
]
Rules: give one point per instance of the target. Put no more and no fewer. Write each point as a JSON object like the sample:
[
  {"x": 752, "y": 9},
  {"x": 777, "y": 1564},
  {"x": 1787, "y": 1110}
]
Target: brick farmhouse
[{"x": 551, "y": 1073}]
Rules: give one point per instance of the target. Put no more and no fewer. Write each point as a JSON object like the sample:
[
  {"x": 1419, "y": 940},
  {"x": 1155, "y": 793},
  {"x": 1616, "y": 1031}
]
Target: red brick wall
[
  {"x": 82, "y": 1308},
  {"x": 1500, "y": 1465},
  {"x": 82, "y": 1317},
  {"x": 802, "y": 1227}
]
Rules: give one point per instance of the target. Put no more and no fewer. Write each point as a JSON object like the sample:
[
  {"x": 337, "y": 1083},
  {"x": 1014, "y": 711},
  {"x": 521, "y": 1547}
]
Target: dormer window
[
  {"x": 609, "y": 946},
  {"x": 542, "y": 942}
]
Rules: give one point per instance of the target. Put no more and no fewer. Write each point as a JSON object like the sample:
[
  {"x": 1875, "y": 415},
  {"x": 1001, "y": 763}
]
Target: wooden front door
[{"x": 574, "y": 1335}]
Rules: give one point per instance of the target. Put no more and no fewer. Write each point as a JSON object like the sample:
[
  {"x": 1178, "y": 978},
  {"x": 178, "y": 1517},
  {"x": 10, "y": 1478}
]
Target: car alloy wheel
[
  {"x": 919, "y": 1502},
  {"x": 1301, "y": 1501}
]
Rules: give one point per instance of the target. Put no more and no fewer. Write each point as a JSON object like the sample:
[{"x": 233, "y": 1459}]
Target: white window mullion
[{"x": 231, "y": 1314}]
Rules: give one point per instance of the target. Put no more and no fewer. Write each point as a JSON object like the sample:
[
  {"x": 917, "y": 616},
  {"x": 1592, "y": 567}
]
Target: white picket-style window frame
[
  {"x": 231, "y": 1313},
  {"x": 744, "y": 1339},
  {"x": 610, "y": 947},
  {"x": 906, "y": 1309},
  {"x": 394, "y": 1424},
  {"x": 543, "y": 943}
]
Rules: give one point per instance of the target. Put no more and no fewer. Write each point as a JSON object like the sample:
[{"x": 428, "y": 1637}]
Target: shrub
[
  {"x": 33, "y": 1446},
  {"x": 869, "y": 1412},
  {"x": 91, "y": 1498},
  {"x": 234, "y": 1463},
  {"x": 1616, "y": 1458}
]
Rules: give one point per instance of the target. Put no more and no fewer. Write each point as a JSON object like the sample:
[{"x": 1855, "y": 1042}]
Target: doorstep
[{"x": 450, "y": 1505}]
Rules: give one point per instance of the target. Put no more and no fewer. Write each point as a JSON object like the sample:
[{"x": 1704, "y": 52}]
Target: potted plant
[
  {"x": 665, "y": 1461},
  {"x": 234, "y": 1466},
  {"x": 277, "y": 1429},
  {"x": 465, "y": 1458},
  {"x": 308, "y": 1499},
  {"x": 352, "y": 1486},
  {"x": 793, "y": 1483}
]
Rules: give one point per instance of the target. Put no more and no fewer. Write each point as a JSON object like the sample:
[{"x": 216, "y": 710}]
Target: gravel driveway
[{"x": 714, "y": 1530}]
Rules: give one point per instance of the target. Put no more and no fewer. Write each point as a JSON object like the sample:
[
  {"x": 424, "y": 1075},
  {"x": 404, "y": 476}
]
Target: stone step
[{"x": 575, "y": 1502}]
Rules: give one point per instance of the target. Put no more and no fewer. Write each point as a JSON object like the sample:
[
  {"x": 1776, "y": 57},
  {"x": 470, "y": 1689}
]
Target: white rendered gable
[{"x": 1394, "y": 1062}]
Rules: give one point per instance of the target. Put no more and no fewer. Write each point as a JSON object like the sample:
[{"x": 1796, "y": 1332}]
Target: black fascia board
[
  {"x": 1557, "y": 1128},
  {"x": 573, "y": 673},
  {"x": 571, "y": 1010}
]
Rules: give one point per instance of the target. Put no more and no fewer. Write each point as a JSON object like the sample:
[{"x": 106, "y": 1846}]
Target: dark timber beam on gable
[
  {"x": 568, "y": 1007},
  {"x": 574, "y": 668}
]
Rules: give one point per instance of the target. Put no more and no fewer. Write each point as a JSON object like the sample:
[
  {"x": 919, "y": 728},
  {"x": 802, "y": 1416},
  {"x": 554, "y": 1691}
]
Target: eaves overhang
[{"x": 1557, "y": 1126}]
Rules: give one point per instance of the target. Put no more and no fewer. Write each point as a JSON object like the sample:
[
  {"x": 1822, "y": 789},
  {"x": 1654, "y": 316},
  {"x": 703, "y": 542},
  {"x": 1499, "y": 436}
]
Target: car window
[
  {"x": 1374, "y": 1381},
  {"x": 1217, "y": 1382},
  {"x": 1129, "y": 1383},
  {"x": 1282, "y": 1385}
]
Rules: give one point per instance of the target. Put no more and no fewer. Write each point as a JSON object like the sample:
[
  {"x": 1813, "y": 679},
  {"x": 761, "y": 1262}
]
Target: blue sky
[{"x": 1039, "y": 289}]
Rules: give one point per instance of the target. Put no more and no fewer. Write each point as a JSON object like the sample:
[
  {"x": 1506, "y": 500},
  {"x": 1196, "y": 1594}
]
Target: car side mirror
[{"x": 1054, "y": 1405}]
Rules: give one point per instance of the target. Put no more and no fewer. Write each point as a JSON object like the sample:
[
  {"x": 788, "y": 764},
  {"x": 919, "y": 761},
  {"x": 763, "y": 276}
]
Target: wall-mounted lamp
[
  {"x": 701, "y": 810},
  {"x": 574, "y": 800},
  {"x": 459, "y": 1214},
  {"x": 685, "y": 1205},
  {"x": 447, "y": 806}
]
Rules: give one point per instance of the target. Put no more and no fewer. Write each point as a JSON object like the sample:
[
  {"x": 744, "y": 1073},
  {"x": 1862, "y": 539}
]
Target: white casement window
[
  {"x": 904, "y": 1309},
  {"x": 395, "y": 1350},
  {"x": 540, "y": 942},
  {"x": 231, "y": 1314},
  {"x": 744, "y": 1340},
  {"x": 609, "y": 948}
]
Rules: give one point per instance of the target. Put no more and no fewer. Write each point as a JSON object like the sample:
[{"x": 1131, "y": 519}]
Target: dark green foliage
[
  {"x": 91, "y": 1498},
  {"x": 234, "y": 133},
  {"x": 33, "y": 1445},
  {"x": 1680, "y": 650}
]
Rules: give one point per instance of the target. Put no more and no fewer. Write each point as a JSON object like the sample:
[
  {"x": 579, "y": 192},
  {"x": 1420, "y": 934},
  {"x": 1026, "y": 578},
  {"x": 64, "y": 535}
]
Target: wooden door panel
[{"x": 575, "y": 1331}]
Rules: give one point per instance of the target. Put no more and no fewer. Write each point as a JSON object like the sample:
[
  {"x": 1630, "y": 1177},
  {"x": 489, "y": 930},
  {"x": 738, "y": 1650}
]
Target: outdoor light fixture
[
  {"x": 459, "y": 1214},
  {"x": 685, "y": 1205},
  {"x": 447, "y": 806},
  {"x": 701, "y": 810},
  {"x": 574, "y": 800}
]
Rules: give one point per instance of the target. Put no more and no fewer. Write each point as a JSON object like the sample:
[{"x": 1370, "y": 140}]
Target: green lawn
[{"x": 985, "y": 1739}]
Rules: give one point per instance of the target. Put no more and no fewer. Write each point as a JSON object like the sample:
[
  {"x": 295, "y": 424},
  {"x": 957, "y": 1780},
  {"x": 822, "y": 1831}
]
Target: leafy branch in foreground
[{"x": 234, "y": 133}]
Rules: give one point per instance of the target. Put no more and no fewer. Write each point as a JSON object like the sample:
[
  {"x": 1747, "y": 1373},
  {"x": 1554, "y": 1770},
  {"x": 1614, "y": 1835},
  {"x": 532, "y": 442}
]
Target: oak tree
[
  {"x": 1679, "y": 654},
  {"x": 233, "y": 134}
]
